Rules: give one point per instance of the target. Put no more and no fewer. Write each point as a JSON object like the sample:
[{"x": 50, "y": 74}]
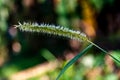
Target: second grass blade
[{"x": 73, "y": 60}]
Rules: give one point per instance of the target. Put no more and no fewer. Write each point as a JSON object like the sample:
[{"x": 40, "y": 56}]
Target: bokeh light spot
[
  {"x": 12, "y": 31},
  {"x": 16, "y": 47}
]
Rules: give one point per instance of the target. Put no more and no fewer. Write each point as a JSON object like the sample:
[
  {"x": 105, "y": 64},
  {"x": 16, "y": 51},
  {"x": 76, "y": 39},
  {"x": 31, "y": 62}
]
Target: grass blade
[{"x": 73, "y": 61}]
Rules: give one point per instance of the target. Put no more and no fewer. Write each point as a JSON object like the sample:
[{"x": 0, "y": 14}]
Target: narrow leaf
[{"x": 73, "y": 60}]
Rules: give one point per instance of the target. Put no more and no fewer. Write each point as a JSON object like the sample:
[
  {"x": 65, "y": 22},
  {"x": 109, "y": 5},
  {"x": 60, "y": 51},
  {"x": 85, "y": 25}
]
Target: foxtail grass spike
[
  {"x": 59, "y": 31},
  {"x": 52, "y": 29}
]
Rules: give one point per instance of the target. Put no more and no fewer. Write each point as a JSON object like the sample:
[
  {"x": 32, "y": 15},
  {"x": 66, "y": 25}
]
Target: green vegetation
[{"x": 45, "y": 50}]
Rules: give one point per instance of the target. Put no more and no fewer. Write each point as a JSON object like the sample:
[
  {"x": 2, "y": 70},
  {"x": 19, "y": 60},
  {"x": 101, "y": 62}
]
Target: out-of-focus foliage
[
  {"x": 98, "y": 4},
  {"x": 99, "y": 19},
  {"x": 3, "y": 29}
]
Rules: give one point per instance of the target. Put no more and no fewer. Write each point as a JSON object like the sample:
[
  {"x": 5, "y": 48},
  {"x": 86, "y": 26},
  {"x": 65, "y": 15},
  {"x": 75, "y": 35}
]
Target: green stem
[{"x": 104, "y": 51}]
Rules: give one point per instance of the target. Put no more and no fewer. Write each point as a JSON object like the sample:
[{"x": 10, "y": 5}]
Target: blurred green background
[{"x": 34, "y": 56}]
